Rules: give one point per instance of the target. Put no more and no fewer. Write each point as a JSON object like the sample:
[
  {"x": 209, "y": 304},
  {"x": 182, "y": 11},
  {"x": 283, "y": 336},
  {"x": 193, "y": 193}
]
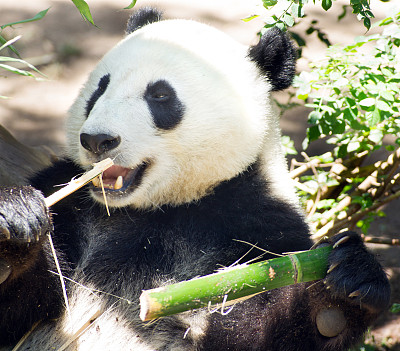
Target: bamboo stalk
[
  {"x": 235, "y": 283},
  {"x": 78, "y": 183}
]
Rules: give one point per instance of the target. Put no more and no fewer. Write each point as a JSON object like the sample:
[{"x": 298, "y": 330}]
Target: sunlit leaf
[
  {"x": 133, "y": 3},
  {"x": 16, "y": 70},
  {"x": 368, "y": 102},
  {"x": 248, "y": 19},
  {"x": 84, "y": 9}
]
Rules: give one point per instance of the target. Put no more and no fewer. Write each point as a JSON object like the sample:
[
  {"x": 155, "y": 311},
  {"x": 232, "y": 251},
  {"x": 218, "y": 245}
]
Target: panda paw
[
  {"x": 24, "y": 217},
  {"x": 354, "y": 274}
]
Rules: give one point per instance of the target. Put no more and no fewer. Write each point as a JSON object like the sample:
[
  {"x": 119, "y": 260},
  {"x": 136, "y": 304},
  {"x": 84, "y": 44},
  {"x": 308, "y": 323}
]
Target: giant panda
[{"x": 185, "y": 113}]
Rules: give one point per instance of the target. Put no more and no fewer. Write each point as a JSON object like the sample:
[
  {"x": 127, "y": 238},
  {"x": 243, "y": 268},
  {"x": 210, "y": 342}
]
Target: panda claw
[
  {"x": 355, "y": 293},
  {"x": 332, "y": 267},
  {"x": 341, "y": 241},
  {"x": 6, "y": 233}
]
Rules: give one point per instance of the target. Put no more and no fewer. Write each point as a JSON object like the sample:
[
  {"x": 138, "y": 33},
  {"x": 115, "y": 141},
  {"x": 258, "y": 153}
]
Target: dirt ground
[{"x": 66, "y": 48}]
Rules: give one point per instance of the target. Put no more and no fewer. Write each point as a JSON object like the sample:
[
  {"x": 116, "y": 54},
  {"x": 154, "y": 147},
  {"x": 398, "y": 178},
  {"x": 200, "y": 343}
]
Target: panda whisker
[
  {"x": 238, "y": 260},
  {"x": 94, "y": 291},
  {"x": 259, "y": 248},
  {"x": 64, "y": 290}
]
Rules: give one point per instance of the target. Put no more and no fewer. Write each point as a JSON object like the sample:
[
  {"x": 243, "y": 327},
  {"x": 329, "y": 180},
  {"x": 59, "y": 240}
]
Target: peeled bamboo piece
[
  {"x": 75, "y": 184},
  {"x": 236, "y": 283}
]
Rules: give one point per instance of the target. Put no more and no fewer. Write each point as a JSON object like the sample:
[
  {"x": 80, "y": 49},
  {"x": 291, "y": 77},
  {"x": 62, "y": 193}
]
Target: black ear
[
  {"x": 275, "y": 56},
  {"x": 140, "y": 18}
]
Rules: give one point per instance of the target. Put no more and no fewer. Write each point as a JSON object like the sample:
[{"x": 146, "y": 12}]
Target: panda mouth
[{"x": 118, "y": 179}]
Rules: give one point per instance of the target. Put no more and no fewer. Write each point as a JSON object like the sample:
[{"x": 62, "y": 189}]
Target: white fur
[{"x": 227, "y": 123}]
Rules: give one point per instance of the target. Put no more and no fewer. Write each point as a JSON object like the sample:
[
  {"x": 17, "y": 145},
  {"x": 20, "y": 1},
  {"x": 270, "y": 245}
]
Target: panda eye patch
[
  {"x": 101, "y": 88},
  {"x": 165, "y": 107}
]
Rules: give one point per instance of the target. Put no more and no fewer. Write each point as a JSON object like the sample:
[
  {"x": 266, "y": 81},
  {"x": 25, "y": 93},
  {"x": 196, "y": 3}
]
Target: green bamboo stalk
[{"x": 236, "y": 283}]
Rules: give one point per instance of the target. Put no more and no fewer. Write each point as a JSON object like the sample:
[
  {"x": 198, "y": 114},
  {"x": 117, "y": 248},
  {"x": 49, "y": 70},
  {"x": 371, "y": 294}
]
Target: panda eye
[
  {"x": 165, "y": 107},
  {"x": 160, "y": 91},
  {"x": 160, "y": 97}
]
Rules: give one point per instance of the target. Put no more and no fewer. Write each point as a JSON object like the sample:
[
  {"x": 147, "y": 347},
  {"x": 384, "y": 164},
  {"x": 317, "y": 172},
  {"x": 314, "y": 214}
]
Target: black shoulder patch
[
  {"x": 165, "y": 107},
  {"x": 101, "y": 88},
  {"x": 142, "y": 17},
  {"x": 276, "y": 57}
]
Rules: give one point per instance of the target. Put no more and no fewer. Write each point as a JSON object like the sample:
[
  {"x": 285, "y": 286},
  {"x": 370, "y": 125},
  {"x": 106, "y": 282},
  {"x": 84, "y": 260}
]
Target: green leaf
[
  {"x": 298, "y": 10},
  {"x": 375, "y": 135},
  {"x": 297, "y": 38},
  {"x": 133, "y": 3},
  {"x": 84, "y": 9},
  {"x": 248, "y": 19},
  {"x": 382, "y": 105},
  {"x": 313, "y": 133},
  {"x": 314, "y": 117},
  {"x": 288, "y": 19},
  {"x": 9, "y": 43},
  {"x": 353, "y": 146},
  {"x": 16, "y": 70},
  {"x": 11, "y": 59},
  {"x": 326, "y": 4},
  {"x": 367, "y": 23},
  {"x": 344, "y": 12},
  {"x": 368, "y": 102},
  {"x": 288, "y": 145},
  {"x": 269, "y": 3},
  {"x": 342, "y": 151},
  {"x": 338, "y": 127},
  {"x": 387, "y": 95},
  {"x": 37, "y": 17},
  {"x": 395, "y": 308},
  {"x": 374, "y": 118}
]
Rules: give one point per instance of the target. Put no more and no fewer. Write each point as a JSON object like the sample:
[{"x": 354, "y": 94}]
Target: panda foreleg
[
  {"x": 327, "y": 315},
  {"x": 28, "y": 291}
]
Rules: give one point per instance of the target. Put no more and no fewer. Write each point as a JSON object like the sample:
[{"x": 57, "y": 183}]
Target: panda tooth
[
  {"x": 96, "y": 182},
  {"x": 119, "y": 183}
]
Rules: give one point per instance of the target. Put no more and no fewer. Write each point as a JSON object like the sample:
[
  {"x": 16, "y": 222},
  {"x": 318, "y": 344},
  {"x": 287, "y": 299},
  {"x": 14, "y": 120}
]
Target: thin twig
[{"x": 377, "y": 240}]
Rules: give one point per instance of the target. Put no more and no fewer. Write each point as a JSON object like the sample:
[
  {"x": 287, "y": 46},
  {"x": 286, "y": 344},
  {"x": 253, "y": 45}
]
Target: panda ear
[
  {"x": 142, "y": 17},
  {"x": 276, "y": 57}
]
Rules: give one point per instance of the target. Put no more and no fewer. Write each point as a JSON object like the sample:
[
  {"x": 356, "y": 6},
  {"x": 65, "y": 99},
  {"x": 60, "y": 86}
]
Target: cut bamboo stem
[
  {"x": 78, "y": 183},
  {"x": 234, "y": 284}
]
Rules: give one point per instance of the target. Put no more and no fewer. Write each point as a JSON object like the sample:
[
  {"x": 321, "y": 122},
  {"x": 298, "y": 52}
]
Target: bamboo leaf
[
  {"x": 16, "y": 70},
  {"x": 4, "y": 43},
  {"x": 235, "y": 283},
  {"x": 37, "y": 17},
  {"x": 133, "y": 3},
  {"x": 11, "y": 59},
  {"x": 84, "y": 10}
]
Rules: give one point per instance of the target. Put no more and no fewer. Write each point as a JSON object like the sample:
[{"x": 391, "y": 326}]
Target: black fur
[
  {"x": 275, "y": 56},
  {"x": 165, "y": 107},
  {"x": 143, "y": 17},
  {"x": 101, "y": 88},
  {"x": 200, "y": 237}
]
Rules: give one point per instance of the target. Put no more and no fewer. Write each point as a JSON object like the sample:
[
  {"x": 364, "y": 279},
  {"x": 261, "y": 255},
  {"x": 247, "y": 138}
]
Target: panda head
[{"x": 179, "y": 107}]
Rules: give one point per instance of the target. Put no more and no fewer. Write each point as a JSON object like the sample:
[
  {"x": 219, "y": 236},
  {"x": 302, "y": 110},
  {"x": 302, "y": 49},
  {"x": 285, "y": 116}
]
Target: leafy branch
[{"x": 355, "y": 99}]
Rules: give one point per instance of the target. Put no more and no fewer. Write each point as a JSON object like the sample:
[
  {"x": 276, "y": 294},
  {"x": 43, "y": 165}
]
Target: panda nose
[{"x": 99, "y": 143}]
